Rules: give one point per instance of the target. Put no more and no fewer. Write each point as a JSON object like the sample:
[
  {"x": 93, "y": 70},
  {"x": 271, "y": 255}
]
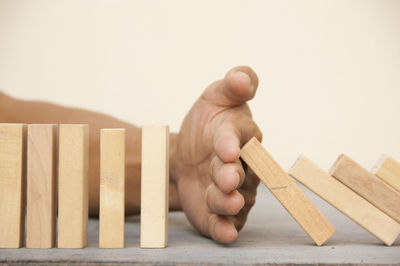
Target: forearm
[{"x": 31, "y": 112}]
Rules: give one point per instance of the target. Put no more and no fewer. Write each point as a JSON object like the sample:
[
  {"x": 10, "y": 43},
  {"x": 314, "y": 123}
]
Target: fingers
[
  {"x": 226, "y": 176},
  {"x": 238, "y": 86},
  {"x": 231, "y": 135},
  {"x": 224, "y": 204},
  {"x": 221, "y": 229}
]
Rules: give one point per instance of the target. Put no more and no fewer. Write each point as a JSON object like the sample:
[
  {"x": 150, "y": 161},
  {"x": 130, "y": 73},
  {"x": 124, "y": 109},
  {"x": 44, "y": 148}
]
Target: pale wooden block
[
  {"x": 367, "y": 185},
  {"x": 345, "y": 200},
  {"x": 388, "y": 169},
  {"x": 41, "y": 186},
  {"x": 154, "y": 187},
  {"x": 12, "y": 184},
  {"x": 287, "y": 192},
  {"x": 73, "y": 199},
  {"x": 112, "y": 188}
]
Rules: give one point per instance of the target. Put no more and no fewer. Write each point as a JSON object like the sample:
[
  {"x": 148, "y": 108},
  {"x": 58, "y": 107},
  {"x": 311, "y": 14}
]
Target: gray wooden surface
[{"x": 271, "y": 236}]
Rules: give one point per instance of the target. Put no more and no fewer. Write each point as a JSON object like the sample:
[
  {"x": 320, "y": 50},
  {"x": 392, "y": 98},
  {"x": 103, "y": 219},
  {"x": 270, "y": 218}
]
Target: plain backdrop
[{"x": 329, "y": 70}]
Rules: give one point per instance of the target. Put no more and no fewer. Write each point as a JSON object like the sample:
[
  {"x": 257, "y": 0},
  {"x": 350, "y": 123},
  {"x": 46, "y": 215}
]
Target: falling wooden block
[
  {"x": 287, "y": 192},
  {"x": 388, "y": 169},
  {"x": 12, "y": 179},
  {"x": 345, "y": 200},
  {"x": 367, "y": 185},
  {"x": 73, "y": 202},
  {"x": 41, "y": 186},
  {"x": 154, "y": 191},
  {"x": 112, "y": 188}
]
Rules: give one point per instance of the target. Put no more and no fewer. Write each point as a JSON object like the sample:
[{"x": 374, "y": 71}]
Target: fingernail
[{"x": 238, "y": 180}]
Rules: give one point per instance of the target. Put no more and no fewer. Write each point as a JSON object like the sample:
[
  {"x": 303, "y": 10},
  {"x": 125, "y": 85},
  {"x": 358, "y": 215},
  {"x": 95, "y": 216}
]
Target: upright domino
[
  {"x": 41, "y": 186},
  {"x": 388, "y": 169},
  {"x": 12, "y": 179},
  {"x": 367, "y": 185},
  {"x": 154, "y": 191},
  {"x": 287, "y": 192},
  {"x": 73, "y": 201},
  {"x": 345, "y": 200},
  {"x": 112, "y": 188}
]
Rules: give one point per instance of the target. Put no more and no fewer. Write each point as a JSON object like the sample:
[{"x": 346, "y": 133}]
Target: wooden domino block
[
  {"x": 154, "y": 187},
  {"x": 112, "y": 188},
  {"x": 73, "y": 201},
  {"x": 388, "y": 169},
  {"x": 41, "y": 186},
  {"x": 287, "y": 192},
  {"x": 367, "y": 185},
  {"x": 345, "y": 200},
  {"x": 12, "y": 179}
]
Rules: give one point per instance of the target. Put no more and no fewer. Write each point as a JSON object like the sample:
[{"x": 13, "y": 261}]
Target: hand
[{"x": 215, "y": 191}]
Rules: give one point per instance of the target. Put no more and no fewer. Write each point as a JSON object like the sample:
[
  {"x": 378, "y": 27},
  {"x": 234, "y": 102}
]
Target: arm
[
  {"x": 207, "y": 179},
  {"x": 33, "y": 112}
]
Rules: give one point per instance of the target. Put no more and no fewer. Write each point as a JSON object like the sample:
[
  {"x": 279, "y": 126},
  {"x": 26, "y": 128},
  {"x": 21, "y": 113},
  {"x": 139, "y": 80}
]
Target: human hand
[{"x": 214, "y": 190}]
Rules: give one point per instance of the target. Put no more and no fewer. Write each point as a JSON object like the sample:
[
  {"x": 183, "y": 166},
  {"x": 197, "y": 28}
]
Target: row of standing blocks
[
  {"x": 44, "y": 175},
  {"x": 372, "y": 200}
]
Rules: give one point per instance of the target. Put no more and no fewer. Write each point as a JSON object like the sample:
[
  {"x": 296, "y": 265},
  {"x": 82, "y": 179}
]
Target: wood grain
[
  {"x": 73, "y": 200},
  {"x": 12, "y": 184},
  {"x": 112, "y": 188},
  {"x": 388, "y": 169},
  {"x": 367, "y": 185},
  {"x": 345, "y": 200},
  {"x": 154, "y": 187},
  {"x": 41, "y": 186},
  {"x": 287, "y": 192}
]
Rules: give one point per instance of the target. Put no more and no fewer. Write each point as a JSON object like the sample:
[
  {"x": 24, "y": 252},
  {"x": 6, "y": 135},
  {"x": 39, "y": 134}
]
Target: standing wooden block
[
  {"x": 287, "y": 192},
  {"x": 155, "y": 187},
  {"x": 73, "y": 201},
  {"x": 345, "y": 200},
  {"x": 112, "y": 188},
  {"x": 12, "y": 179},
  {"x": 367, "y": 185},
  {"x": 388, "y": 169},
  {"x": 41, "y": 186}
]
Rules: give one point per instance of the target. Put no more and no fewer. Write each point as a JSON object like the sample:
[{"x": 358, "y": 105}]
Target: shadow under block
[
  {"x": 287, "y": 192},
  {"x": 73, "y": 202},
  {"x": 367, "y": 185},
  {"x": 345, "y": 200},
  {"x": 41, "y": 186},
  {"x": 154, "y": 190},
  {"x": 12, "y": 179},
  {"x": 112, "y": 188},
  {"x": 388, "y": 169}
]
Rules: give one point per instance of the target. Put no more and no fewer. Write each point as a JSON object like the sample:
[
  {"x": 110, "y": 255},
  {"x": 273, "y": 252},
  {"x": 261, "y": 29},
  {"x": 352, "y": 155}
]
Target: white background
[{"x": 329, "y": 70}]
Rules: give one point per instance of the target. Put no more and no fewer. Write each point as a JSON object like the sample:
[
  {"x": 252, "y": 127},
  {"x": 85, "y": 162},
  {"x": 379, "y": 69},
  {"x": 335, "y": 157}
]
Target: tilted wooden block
[
  {"x": 41, "y": 186},
  {"x": 112, "y": 188},
  {"x": 73, "y": 201},
  {"x": 388, "y": 169},
  {"x": 154, "y": 187},
  {"x": 287, "y": 192},
  {"x": 345, "y": 200},
  {"x": 367, "y": 185},
  {"x": 12, "y": 184}
]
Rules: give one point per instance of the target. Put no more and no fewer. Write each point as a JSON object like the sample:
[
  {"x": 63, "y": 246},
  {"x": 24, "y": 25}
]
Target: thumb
[{"x": 238, "y": 86}]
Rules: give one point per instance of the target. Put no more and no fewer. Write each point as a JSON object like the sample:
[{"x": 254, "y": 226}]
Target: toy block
[
  {"x": 345, "y": 200},
  {"x": 388, "y": 169},
  {"x": 12, "y": 184},
  {"x": 73, "y": 201},
  {"x": 367, "y": 185},
  {"x": 287, "y": 192},
  {"x": 112, "y": 188},
  {"x": 41, "y": 186},
  {"x": 154, "y": 187}
]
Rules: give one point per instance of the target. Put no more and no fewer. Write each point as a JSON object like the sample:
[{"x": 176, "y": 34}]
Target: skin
[{"x": 207, "y": 179}]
